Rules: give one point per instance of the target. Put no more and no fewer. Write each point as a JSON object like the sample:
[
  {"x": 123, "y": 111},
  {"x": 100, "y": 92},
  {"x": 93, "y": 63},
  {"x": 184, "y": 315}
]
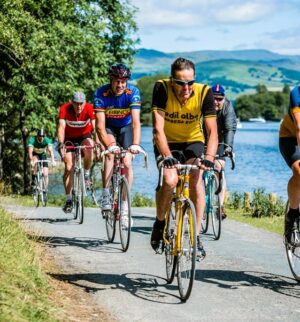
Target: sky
[{"x": 191, "y": 25}]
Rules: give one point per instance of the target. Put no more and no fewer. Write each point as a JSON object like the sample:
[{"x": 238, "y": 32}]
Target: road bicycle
[
  {"x": 40, "y": 193},
  {"x": 120, "y": 202},
  {"x": 293, "y": 251},
  {"x": 179, "y": 235},
  {"x": 78, "y": 187},
  {"x": 212, "y": 180}
]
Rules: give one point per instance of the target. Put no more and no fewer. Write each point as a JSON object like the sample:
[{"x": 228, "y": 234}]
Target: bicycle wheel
[
  {"x": 79, "y": 197},
  {"x": 110, "y": 215},
  {"x": 171, "y": 258},
  {"x": 95, "y": 178},
  {"x": 293, "y": 255},
  {"x": 36, "y": 192},
  {"x": 44, "y": 196},
  {"x": 186, "y": 260},
  {"x": 205, "y": 219},
  {"x": 215, "y": 207},
  {"x": 124, "y": 213}
]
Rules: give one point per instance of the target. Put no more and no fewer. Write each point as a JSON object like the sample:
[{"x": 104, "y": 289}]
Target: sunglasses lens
[{"x": 182, "y": 83}]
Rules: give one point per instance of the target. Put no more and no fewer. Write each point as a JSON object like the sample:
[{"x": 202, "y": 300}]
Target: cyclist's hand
[
  {"x": 134, "y": 149},
  {"x": 169, "y": 162},
  {"x": 113, "y": 149},
  {"x": 207, "y": 165},
  {"x": 228, "y": 151}
]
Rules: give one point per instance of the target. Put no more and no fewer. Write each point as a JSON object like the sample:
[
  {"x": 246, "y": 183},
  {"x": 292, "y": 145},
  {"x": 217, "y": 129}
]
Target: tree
[{"x": 48, "y": 49}]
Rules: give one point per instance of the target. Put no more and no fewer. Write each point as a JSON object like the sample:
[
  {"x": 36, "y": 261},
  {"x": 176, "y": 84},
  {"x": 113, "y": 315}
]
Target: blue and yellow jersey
[
  {"x": 287, "y": 127},
  {"x": 117, "y": 109},
  {"x": 183, "y": 123}
]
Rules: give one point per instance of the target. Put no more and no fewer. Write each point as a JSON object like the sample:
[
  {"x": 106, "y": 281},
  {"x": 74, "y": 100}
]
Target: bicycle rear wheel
[
  {"x": 79, "y": 196},
  {"x": 124, "y": 213},
  {"x": 171, "y": 258},
  {"x": 186, "y": 260},
  {"x": 36, "y": 192},
  {"x": 110, "y": 215},
  {"x": 215, "y": 207},
  {"x": 44, "y": 196}
]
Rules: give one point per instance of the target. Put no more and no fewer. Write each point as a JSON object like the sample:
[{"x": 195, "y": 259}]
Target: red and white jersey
[{"x": 77, "y": 126}]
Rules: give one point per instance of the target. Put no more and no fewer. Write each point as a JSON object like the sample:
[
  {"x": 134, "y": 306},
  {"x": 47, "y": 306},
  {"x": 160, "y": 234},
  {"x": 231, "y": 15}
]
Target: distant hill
[{"x": 238, "y": 70}]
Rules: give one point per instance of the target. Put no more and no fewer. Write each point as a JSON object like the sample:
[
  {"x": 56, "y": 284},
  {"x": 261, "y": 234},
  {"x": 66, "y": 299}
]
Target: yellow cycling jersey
[{"x": 183, "y": 123}]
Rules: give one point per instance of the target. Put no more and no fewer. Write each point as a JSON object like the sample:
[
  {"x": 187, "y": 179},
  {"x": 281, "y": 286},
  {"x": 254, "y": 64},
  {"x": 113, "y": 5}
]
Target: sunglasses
[
  {"x": 182, "y": 83},
  {"x": 218, "y": 99},
  {"x": 41, "y": 136}
]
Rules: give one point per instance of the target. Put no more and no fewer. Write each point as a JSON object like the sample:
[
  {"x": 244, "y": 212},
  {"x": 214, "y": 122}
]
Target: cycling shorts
[
  {"x": 189, "y": 150},
  {"x": 289, "y": 149},
  {"x": 42, "y": 156},
  {"x": 123, "y": 135},
  {"x": 77, "y": 141}
]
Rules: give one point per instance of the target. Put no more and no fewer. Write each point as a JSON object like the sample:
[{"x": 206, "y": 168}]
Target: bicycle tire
[
  {"x": 36, "y": 193},
  {"x": 205, "y": 219},
  {"x": 293, "y": 255},
  {"x": 171, "y": 258},
  {"x": 124, "y": 217},
  {"x": 186, "y": 258},
  {"x": 216, "y": 218},
  {"x": 110, "y": 215},
  {"x": 79, "y": 197},
  {"x": 44, "y": 196}
]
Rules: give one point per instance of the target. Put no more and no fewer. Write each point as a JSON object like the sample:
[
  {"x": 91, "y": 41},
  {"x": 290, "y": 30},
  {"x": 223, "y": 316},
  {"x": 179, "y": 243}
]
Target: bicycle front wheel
[
  {"x": 36, "y": 193},
  {"x": 44, "y": 196},
  {"x": 186, "y": 260},
  {"x": 79, "y": 197},
  {"x": 110, "y": 215},
  {"x": 215, "y": 207},
  {"x": 171, "y": 258},
  {"x": 293, "y": 256},
  {"x": 124, "y": 213}
]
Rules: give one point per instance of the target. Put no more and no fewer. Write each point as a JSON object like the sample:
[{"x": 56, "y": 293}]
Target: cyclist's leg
[
  {"x": 35, "y": 158},
  {"x": 291, "y": 154},
  {"x": 45, "y": 171}
]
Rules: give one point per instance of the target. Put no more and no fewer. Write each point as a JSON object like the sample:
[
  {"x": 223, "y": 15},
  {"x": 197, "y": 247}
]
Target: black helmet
[
  {"x": 119, "y": 71},
  {"x": 41, "y": 132}
]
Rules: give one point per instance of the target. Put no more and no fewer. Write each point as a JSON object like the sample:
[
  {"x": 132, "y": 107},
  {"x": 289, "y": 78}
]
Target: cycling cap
[
  {"x": 78, "y": 97},
  {"x": 41, "y": 132},
  {"x": 119, "y": 71},
  {"x": 218, "y": 90}
]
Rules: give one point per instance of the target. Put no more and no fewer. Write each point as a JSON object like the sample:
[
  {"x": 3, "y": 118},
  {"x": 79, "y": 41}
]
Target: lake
[{"x": 258, "y": 163}]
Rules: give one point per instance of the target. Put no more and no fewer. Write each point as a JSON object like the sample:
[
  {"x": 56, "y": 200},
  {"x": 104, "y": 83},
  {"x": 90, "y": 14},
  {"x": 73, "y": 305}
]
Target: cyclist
[
  {"x": 76, "y": 123},
  {"x": 117, "y": 107},
  {"x": 289, "y": 145},
  {"x": 37, "y": 150},
  {"x": 178, "y": 105},
  {"x": 227, "y": 122}
]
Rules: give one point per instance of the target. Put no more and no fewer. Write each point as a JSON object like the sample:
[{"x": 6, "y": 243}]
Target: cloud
[{"x": 186, "y": 39}]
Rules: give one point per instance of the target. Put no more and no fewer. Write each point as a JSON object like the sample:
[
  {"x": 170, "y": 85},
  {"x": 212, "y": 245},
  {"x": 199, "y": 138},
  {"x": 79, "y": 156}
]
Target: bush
[
  {"x": 236, "y": 200},
  {"x": 139, "y": 200}
]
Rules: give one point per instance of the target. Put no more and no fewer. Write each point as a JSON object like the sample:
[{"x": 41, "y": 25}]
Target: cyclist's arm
[
  {"x": 101, "y": 130},
  {"x": 61, "y": 131},
  {"x": 30, "y": 152},
  {"x": 159, "y": 136},
  {"x": 212, "y": 134},
  {"x": 136, "y": 126},
  {"x": 50, "y": 149},
  {"x": 96, "y": 137}
]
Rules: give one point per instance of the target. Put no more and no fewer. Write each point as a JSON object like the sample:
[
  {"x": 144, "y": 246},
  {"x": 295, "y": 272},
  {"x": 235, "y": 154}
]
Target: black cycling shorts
[
  {"x": 289, "y": 149},
  {"x": 42, "y": 156},
  {"x": 184, "y": 151},
  {"x": 76, "y": 141},
  {"x": 123, "y": 135}
]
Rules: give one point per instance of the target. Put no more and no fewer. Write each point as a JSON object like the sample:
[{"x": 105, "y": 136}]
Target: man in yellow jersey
[
  {"x": 178, "y": 105},
  {"x": 289, "y": 144}
]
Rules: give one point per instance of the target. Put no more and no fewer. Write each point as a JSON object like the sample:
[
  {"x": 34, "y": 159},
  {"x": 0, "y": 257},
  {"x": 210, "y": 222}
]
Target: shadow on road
[
  {"x": 91, "y": 244},
  {"x": 144, "y": 286},
  {"x": 237, "y": 279}
]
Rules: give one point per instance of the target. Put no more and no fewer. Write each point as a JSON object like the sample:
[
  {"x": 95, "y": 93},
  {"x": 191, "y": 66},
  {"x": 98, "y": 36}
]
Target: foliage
[
  {"x": 236, "y": 200},
  {"x": 48, "y": 49},
  {"x": 270, "y": 105},
  {"x": 139, "y": 200}
]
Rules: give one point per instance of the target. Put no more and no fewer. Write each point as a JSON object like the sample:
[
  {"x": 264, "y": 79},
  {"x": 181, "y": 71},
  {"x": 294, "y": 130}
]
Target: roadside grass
[
  {"x": 24, "y": 289},
  {"x": 273, "y": 224}
]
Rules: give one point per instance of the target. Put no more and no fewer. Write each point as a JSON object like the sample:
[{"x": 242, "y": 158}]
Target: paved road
[{"x": 245, "y": 276}]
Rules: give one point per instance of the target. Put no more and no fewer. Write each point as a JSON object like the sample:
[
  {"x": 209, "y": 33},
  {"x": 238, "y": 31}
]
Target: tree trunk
[{"x": 2, "y": 143}]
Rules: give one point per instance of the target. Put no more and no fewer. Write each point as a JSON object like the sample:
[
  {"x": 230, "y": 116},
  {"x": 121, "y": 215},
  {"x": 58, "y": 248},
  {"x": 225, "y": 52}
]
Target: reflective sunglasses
[{"x": 182, "y": 83}]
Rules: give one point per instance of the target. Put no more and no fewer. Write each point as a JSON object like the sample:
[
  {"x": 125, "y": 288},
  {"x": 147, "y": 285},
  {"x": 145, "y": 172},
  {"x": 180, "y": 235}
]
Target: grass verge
[{"x": 24, "y": 289}]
